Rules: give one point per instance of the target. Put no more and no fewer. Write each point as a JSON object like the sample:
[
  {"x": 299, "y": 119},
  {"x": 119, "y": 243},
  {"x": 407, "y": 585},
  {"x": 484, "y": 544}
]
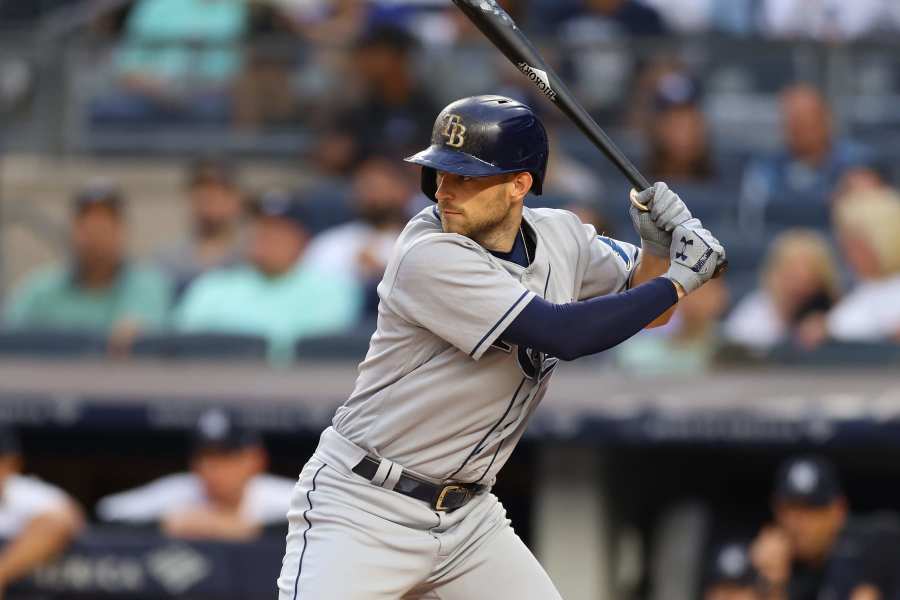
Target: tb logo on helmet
[{"x": 454, "y": 131}]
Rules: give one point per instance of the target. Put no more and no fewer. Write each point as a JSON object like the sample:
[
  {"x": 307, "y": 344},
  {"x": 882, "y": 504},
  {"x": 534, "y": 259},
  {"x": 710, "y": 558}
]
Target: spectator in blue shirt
[
  {"x": 799, "y": 179},
  {"x": 273, "y": 294},
  {"x": 99, "y": 290},
  {"x": 177, "y": 61}
]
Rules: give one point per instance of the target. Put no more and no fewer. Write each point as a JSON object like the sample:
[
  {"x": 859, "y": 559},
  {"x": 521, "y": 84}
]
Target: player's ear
[{"x": 521, "y": 184}]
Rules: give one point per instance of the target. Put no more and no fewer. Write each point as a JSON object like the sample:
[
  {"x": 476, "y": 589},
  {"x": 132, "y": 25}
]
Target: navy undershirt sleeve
[{"x": 569, "y": 331}]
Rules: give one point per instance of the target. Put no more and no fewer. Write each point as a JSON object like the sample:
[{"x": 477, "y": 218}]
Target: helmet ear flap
[{"x": 429, "y": 183}]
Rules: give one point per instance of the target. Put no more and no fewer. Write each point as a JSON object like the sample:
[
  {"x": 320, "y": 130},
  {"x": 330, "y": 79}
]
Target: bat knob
[{"x": 633, "y": 197}]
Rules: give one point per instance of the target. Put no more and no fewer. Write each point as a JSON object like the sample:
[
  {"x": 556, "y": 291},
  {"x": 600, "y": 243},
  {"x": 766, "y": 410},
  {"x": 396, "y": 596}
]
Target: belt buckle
[{"x": 439, "y": 504}]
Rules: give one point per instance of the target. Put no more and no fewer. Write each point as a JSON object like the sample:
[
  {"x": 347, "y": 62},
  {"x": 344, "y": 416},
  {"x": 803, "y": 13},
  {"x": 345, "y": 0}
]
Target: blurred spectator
[
  {"x": 361, "y": 249},
  {"x": 730, "y": 575},
  {"x": 679, "y": 142},
  {"x": 868, "y": 228},
  {"x": 100, "y": 290},
  {"x": 805, "y": 173},
  {"x": 226, "y": 496},
  {"x": 177, "y": 61},
  {"x": 395, "y": 112},
  {"x": 736, "y": 17},
  {"x": 629, "y": 17},
  {"x": 859, "y": 179},
  {"x": 799, "y": 283},
  {"x": 325, "y": 21},
  {"x": 829, "y": 20},
  {"x": 273, "y": 294},
  {"x": 595, "y": 44},
  {"x": 813, "y": 549},
  {"x": 37, "y": 520},
  {"x": 687, "y": 344},
  {"x": 215, "y": 239}
]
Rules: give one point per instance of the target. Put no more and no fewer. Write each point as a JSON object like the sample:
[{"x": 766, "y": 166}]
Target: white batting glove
[
  {"x": 694, "y": 255},
  {"x": 667, "y": 211}
]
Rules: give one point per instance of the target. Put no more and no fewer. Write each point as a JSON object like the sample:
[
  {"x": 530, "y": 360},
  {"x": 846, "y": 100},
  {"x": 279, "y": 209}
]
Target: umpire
[{"x": 814, "y": 550}]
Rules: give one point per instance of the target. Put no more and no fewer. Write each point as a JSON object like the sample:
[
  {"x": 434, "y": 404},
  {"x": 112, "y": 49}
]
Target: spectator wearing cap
[
  {"x": 226, "y": 496},
  {"x": 679, "y": 146},
  {"x": 803, "y": 175},
  {"x": 37, "y": 520},
  {"x": 813, "y": 549},
  {"x": 383, "y": 194},
  {"x": 730, "y": 574},
  {"x": 216, "y": 234},
  {"x": 273, "y": 293},
  {"x": 100, "y": 289}
]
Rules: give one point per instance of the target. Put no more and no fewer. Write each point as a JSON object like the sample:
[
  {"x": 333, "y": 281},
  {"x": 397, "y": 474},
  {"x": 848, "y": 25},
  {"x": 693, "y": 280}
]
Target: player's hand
[
  {"x": 667, "y": 211},
  {"x": 693, "y": 256}
]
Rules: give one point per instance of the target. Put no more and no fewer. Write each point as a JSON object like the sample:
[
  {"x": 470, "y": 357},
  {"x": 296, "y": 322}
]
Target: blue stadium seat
[
  {"x": 201, "y": 345},
  {"x": 48, "y": 343}
]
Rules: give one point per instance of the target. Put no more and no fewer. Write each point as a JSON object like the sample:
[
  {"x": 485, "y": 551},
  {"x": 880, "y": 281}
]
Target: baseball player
[{"x": 480, "y": 300}]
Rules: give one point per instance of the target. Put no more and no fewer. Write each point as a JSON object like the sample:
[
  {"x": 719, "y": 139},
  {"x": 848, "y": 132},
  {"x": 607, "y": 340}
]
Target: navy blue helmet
[{"x": 481, "y": 136}]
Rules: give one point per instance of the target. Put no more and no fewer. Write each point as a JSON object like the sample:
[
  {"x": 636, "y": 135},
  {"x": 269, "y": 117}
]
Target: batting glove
[
  {"x": 667, "y": 211},
  {"x": 694, "y": 255}
]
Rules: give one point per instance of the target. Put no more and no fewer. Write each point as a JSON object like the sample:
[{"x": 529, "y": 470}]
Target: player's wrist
[{"x": 679, "y": 290}]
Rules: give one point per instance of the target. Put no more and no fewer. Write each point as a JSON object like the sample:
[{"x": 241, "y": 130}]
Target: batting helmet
[{"x": 481, "y": 136}]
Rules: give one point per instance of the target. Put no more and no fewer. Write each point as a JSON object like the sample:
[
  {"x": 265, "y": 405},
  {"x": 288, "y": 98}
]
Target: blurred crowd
[
  {"x": 811, "y": 226},
  {"x": 814, "y": 240}
]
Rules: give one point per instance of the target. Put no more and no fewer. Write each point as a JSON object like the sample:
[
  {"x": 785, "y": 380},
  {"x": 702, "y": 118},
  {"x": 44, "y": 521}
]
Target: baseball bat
[{"x": 494, "y": 22}]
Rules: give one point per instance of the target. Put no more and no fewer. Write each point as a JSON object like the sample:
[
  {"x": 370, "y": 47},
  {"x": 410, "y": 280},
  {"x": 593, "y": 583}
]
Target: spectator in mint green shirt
[
  {"x": 100, "y": 290},
  {"x": 272, "y": 294}
]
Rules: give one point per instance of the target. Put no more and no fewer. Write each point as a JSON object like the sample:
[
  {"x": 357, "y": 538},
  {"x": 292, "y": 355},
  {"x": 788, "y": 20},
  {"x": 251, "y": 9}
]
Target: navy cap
[
  {"x": 674, "y": 90},
  {"x": 218, "y": 430},
  {"x": 730, "y": 564},
  {"x": 282, "y": 205},
  {"x": 810, "y": 480},
  {"x": 98, "y": 192},
  {"x": 9, "y": 441}
]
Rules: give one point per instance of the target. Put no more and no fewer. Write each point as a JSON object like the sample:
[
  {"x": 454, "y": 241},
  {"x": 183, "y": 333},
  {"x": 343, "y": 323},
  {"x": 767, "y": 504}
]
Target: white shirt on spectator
[
  {"x": 266, "y": 499},
  {"x": 24, "y": 498},
  {"x": 337, "y": 250},
  {"x": 754, "y": 322},
  {"x": 870, "y": 312}
]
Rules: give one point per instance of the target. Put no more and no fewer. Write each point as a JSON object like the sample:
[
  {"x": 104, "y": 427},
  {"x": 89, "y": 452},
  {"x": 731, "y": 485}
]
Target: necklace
[{"x": 525, "y": 245}]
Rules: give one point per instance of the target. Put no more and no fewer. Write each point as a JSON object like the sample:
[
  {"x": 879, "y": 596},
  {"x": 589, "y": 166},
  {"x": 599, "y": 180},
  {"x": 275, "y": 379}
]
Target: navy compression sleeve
[{"x": 569, "y": 331}]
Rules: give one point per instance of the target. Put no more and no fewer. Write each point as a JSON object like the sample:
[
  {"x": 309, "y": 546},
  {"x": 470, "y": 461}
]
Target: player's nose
[{"x": 444, "y": 190}]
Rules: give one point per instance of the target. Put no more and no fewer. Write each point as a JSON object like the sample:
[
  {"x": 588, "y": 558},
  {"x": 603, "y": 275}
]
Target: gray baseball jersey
[{"x": 438, "y": 392}]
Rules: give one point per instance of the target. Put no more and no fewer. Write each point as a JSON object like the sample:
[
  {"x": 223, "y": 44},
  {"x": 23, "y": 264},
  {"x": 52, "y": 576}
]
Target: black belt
[{"x": 443, "y": 497}]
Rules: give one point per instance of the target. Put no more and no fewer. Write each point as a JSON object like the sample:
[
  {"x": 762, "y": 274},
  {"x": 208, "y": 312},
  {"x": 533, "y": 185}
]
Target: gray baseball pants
[{"x": 352, "y": 540}]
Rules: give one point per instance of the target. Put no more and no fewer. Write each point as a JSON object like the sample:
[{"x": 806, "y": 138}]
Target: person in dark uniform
[{"x": 814, "y": 550}]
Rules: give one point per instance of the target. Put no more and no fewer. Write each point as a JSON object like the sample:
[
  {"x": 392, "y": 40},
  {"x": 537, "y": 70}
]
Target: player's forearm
[
  {"x": 43, "y": 538},
  {"x": 569, "y": 331}
]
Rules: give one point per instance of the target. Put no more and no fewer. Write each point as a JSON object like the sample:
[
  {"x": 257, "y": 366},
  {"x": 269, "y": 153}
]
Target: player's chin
[{"x": 452, "y": 223}]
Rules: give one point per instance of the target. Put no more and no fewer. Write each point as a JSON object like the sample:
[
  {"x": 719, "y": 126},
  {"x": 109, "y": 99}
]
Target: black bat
[{"x": 490, "y": 18}]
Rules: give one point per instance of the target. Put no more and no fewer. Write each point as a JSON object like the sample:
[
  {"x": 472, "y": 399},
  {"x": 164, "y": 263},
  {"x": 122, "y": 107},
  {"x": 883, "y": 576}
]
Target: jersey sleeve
[
  {"x": 605, "y": 265},
  {"x": 448, "y": 286}
]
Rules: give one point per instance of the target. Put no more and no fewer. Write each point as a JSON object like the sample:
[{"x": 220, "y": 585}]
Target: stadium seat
[
  {"x": 47, "y": 343},
  {"x": 839, "y": 354},
  {"x": 352, "y": 345},
  {"x": 201, "y": 345}
]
